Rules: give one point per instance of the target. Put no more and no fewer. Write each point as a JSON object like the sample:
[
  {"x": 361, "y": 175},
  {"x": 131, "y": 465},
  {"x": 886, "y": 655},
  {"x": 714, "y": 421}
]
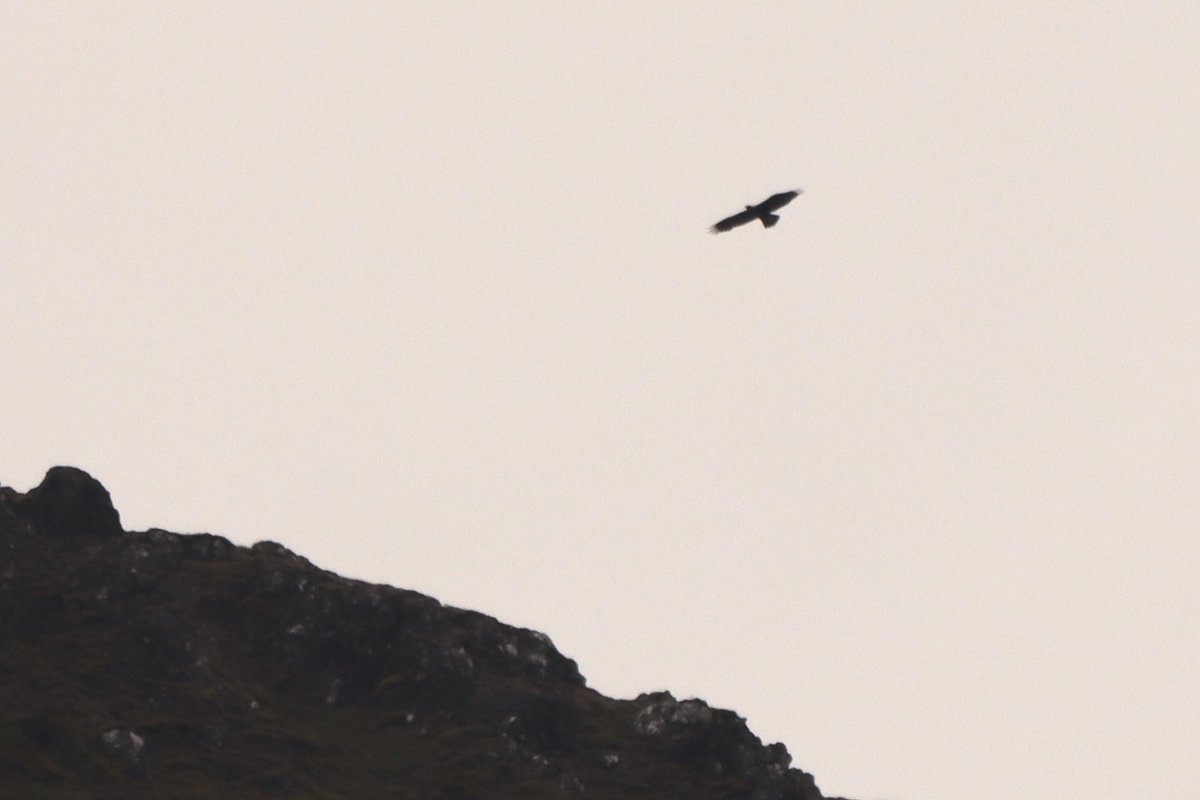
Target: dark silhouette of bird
[{"x": 761, "y": 212}]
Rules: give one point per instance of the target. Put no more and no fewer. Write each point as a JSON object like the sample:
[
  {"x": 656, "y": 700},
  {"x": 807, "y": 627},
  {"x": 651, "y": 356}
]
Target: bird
[{"x": 761, "y": 212}]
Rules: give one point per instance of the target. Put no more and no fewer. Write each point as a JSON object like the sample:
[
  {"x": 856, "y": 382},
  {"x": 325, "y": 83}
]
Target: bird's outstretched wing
[
  {"x": 729, "y": 223},
  {"x": 777, "y": 201}
]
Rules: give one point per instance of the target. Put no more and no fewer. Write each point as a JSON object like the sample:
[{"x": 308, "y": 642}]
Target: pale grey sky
[{"x": 424, "y": 291}]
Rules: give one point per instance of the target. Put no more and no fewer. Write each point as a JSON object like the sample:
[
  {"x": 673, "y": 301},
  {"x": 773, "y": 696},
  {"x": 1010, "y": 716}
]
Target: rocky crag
[{"x": 159, "y": 665}]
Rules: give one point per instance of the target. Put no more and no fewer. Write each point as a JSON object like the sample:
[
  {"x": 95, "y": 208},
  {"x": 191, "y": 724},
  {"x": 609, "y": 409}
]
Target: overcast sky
[{"x": 424, "y": 291}]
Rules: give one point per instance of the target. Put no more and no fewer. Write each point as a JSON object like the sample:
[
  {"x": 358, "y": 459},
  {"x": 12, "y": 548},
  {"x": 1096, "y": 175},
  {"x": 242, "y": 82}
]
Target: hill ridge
[{"x": 152, "y": 663}]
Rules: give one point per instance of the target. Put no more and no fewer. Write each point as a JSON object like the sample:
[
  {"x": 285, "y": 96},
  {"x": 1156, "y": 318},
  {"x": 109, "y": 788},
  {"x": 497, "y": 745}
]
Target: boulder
[{"x": 71, "y": 503}]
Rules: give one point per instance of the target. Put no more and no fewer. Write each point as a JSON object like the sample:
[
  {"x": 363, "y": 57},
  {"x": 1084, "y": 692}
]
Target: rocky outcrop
[
  {"x": 717, "y": 742},
  {"x": 69, "y": 502},
  {"x": 155, "y": 663}
]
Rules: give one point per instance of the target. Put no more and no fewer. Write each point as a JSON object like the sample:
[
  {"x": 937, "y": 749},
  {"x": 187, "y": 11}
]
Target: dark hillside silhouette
[{"x": 161, "y": 665}]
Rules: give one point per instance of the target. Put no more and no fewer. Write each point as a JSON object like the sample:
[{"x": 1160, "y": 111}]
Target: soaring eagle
[{"x": 761, "y": 212}]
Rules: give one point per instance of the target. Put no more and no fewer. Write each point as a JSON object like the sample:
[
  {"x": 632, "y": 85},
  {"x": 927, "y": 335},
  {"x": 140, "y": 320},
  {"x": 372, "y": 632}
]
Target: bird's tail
[{"x": 769, "y": 219}]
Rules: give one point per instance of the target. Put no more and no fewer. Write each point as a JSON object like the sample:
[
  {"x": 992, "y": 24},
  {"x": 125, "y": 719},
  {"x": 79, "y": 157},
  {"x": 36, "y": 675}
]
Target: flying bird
[{"x": 761, "y": 212}]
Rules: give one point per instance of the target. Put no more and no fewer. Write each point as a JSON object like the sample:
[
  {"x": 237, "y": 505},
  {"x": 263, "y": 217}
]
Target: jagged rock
[
  {"x": 253, "y": 667},
  {"x": 719, "y": 743},
  {"x": 69, "y": 502},
  {"x": 663, "y": 715},
  {"x": 124, "y": 745}
]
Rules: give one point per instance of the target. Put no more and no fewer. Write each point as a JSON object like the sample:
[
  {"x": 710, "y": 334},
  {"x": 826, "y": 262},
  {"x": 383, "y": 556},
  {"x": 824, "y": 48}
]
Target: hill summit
[{"x": 154, "y": 664}]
